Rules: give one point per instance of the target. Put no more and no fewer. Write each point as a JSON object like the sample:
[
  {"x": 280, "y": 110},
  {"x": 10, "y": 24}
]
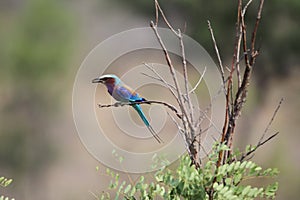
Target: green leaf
[
  {"x": 258, "y": 168},
  {"x": 121, "y": 158},
  {"x": 228, "y": 181},
  {"x": 237, "y": 178},
  {"x": 250, "y": 164},
  {"x": 215, "y": 185},
  {"x": 271, "y": 190},
  {"x": 133, "y": 191},
  {"x": 246, "y": 190},
  {"x": 162, "y": 191},
  {"x": 224, "y": 189},
  {"x": 127, "y": 189},
  {"x": 243, "y": 165},
  {"x": 230, "y": 167},
  {"x": 142, "y": 178},
  {"x": 237, "y": 165},
  {"x": 220, "y": 187}
]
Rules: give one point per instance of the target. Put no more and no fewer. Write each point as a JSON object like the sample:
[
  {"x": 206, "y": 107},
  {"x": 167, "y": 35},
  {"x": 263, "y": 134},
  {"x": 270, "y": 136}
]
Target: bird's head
[{"x": 108, "y": 79}]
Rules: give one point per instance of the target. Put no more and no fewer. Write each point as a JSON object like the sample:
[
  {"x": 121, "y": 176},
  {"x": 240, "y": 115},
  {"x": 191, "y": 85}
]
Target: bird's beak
[{"x": 97, "y": 80}]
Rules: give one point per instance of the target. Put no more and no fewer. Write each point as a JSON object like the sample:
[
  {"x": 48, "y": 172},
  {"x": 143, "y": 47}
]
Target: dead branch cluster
[{"x": 244, "y": 50}]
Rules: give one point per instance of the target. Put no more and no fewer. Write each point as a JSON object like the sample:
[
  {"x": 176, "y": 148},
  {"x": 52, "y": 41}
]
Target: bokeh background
[{"x": 43, "y": 42}]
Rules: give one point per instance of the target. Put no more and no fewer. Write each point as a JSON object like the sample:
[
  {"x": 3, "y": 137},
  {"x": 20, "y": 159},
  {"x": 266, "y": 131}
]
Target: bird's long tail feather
[{"x": 142, "y": 115}]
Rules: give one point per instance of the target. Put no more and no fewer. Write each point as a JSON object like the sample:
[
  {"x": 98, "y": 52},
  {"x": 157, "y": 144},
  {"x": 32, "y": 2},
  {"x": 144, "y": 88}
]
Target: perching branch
[{"x": 118, "y": 104}]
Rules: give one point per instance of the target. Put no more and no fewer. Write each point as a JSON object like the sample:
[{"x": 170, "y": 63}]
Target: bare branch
[
  {"x": 173, "y": 73},
  {"x": 261, "y": 140},
  {"x": 184, "y": 100},
  {"x": 241, "y": 94}
]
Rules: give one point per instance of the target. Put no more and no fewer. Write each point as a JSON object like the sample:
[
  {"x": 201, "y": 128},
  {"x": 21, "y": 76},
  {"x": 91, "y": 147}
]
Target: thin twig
[
  {"x": 246, "y": 7},
  {"x": 253, "y": 39},
  {"x": 160, "y": 78},
  {"x": 221, "y": 68},
  {"x": 185, "y": 75},
  {"x": 239, "y": 79},
  {"x": 259, "y": 144},
  {"x": 261, "y": 140},
  {"x": 156, "y": 12},
  {"x": 212, "y": 123},
  {"x": 208, "y": 107},
  {"x": 203, "y": 131},
  {"x": 158, "y": 8},
  {"x": 181, "y": 132},
  {"x": 272, "y": 119},
  {"x": 175, "y": 122},
  {"x": 205, "y": 152},
  {"x": 199, "y": 81}
]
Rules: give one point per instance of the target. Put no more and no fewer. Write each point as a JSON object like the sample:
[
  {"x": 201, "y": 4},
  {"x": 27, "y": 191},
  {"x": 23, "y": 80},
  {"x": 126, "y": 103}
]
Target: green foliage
[
  {"x": 4, "y": 182},
  {"x": 5, "y": 198},
  {"x": 187, "y": 182}
]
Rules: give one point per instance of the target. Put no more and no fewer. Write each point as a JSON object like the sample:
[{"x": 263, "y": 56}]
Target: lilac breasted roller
[{"x": 121, "y": 92}]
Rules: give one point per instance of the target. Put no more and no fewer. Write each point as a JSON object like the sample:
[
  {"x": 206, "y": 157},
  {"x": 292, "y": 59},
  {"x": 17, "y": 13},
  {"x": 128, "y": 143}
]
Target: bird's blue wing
[
  {"x": 124, "y": 93},
  {"x": 121, "y": 93}
]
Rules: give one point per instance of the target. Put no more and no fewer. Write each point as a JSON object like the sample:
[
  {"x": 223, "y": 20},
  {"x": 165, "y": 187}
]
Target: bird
[{"x": 123, "y": 93}]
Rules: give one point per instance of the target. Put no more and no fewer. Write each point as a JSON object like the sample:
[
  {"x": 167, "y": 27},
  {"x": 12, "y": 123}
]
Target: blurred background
[{"x": 43, "y": 42}]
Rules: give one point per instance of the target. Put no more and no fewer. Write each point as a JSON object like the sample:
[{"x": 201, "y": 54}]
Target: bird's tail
[{"x": 142, "y": 115}]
